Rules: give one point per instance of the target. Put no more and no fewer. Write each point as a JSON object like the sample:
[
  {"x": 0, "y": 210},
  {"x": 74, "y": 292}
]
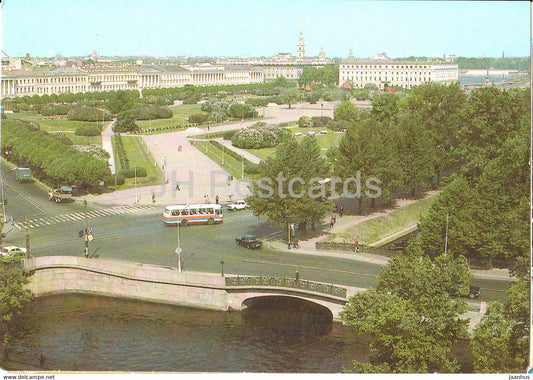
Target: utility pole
[
  {"x": 178, "y": 249},
  {"x": 86, "y": 228}
]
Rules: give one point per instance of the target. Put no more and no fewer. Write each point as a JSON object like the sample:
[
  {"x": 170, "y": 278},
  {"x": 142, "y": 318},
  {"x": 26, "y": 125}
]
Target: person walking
[
  {"x": 177, "y": 186},
  {"x": 356, "y": 246},
  {"x": 216, "y": 199},
  {"x": 341, "y": 209}
]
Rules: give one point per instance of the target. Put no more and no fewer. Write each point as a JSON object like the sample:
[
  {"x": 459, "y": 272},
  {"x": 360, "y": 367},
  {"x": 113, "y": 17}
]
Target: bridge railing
[{"x": 284, "y": 282}]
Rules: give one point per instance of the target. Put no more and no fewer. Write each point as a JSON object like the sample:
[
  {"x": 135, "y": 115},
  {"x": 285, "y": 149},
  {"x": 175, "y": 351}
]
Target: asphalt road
[{"x": 137, "y": 234}]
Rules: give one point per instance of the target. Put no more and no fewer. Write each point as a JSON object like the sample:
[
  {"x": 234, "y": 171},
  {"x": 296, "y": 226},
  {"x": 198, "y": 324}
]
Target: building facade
[
  {"x": 96, "y": 78},
  {"x": 405, "y": 74}
]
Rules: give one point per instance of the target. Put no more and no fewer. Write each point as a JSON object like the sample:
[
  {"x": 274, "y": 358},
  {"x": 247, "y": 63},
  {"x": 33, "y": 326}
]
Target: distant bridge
[{"x": 154, "y": 283}]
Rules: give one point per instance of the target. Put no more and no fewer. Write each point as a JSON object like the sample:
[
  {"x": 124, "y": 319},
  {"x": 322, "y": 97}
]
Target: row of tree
[{"x": 52, "y": 160}]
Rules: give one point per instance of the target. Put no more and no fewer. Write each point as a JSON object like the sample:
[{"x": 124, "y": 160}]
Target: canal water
[{"x": 90, "y": 333}]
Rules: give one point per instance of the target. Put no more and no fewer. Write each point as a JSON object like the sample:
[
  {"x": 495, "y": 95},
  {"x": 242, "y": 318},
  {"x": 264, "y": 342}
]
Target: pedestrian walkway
[{"x": 77, "y": 216}]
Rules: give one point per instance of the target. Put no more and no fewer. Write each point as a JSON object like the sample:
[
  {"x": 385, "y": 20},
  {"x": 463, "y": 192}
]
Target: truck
[
  {"x": 62, "y": 194},
  {"x": 23, "y": 174}
]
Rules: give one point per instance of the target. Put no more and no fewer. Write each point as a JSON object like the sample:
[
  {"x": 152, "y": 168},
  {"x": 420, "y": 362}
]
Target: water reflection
[{"x": 96, "y": 333}]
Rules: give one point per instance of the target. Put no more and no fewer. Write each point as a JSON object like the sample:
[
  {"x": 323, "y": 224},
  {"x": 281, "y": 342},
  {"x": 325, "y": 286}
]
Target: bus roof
[{"x": 198, "y": 205}]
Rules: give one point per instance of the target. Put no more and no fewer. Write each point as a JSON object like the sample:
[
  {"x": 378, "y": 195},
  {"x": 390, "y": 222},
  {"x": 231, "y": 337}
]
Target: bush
[
  {"x": 259, "y": 136},
  {"x": 251, "y": 168},
  {"x": 305, "y": 122},
  {"x": 227, "y": 135},
  {"x": 58, "y": 109},
  {"x": 84, "y": 113},
  {"x": 339, "y": 125},
  {"x": 63, "y": 138},
  {"x": 31, "y": 125},
  {"x": 198, "y": 118},
  {"x": 321, "y": 121},
  {"x": 125, "y": 123},
  {"x": 110, "y": 181},
  {"x": 190, "y": 100},
  {"x": 87, "y": 130},
  {"x": 130, "y": 173}
]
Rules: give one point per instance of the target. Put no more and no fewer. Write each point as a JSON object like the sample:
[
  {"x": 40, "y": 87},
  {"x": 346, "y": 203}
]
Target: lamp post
[
  {"x": 178, "y": 249},
  {"x": 223, "y": 154},
  {"x": 222, "y": 263},
  {"x": 136, "y": 198}
]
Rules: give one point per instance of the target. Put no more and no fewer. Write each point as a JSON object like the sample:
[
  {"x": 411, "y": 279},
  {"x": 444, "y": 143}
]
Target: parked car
[
  {"x": 238, "y": 205},
  {"x": 249, "y": 241},
  {"x": 12, "y": 253},
  {"x": 475, "y": 291}
]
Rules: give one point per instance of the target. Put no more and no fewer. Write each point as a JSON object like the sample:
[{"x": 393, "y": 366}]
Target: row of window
[{"x": 384, "y": 66}]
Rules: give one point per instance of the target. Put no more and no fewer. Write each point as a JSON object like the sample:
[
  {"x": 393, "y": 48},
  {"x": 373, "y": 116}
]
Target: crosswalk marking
[{"x": 76, "y": 216}]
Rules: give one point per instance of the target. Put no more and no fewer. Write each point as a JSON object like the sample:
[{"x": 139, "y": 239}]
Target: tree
[
  {"x": 386, "y": 108},
  {"x": 125, "y": 123},
  {"x": 369, "y": 147},
  {"x": 500, "y": 342},
  {"x": 346, "y": 110},
  {"x": 412, "y": 318},
  {"x": 13, "y": 295},
  {"x": 292, "y": 176},
  {"x": 290, "y": 96}
]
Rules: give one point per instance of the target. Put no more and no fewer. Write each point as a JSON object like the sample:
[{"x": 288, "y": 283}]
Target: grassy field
[
  {"x": 231, "y": 165},
  {"x": 372, "y": 230},
  {"x": 138, "y": 155},
  {"x": 60, "y": 124}
]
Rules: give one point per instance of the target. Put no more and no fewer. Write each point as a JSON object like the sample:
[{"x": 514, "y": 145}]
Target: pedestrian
[
  {"x": 216, "y": 199},
  {"x": 341, "y": 209},
  {"x": 153, "y": 198},
  {"x": 297, "y": 278},
  {"x": 334, "y": 218},
  {"x": 356, "y": 245},
  {"x": 331, "y": 222},
  {"x": 177, "y": 186}
]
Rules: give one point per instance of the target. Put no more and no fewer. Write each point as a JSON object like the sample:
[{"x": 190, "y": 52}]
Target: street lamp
[
  {"x": 222, "y": 263},
  {"x": 178, "y": 249}
]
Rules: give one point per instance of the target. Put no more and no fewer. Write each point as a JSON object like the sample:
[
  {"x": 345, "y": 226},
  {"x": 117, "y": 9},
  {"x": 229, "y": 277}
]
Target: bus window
[
  {"x": 184, "y": 212},
  {"x": 209, "y": 211},
  {"x": 175, "y": 212},
  {"x": 193, "y": 211}
]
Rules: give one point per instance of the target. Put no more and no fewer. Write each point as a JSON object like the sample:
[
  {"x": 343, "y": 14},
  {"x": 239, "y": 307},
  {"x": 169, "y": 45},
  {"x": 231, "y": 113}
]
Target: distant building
[
  {"x": 381, "y": 71},
  {"x": 113, "y": 77}
]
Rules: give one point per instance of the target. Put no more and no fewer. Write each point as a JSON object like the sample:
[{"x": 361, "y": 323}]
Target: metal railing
[{"x": 284, "y": 282}]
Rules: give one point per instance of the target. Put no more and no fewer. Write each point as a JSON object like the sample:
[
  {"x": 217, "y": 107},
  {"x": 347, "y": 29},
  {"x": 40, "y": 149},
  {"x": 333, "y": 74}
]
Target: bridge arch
[{"x": 295, "y": 302}]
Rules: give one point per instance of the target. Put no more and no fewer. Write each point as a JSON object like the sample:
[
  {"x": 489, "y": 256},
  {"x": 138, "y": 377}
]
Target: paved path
[
  {"x": 106, "y": 144},
  {"x": 189, "y": 168}
]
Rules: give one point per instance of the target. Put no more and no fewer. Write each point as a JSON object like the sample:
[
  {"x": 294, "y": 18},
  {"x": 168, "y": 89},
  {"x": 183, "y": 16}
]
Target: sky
[{"x": 258, "y": 28}]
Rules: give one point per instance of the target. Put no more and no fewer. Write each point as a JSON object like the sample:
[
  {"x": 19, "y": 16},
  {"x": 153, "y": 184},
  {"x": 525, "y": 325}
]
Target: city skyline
[{"x": 265, "y": 28}]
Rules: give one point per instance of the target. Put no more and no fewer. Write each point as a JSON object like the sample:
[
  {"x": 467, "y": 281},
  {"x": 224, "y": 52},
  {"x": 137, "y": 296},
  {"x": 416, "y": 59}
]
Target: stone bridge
[{"x": 154, "y": 283}]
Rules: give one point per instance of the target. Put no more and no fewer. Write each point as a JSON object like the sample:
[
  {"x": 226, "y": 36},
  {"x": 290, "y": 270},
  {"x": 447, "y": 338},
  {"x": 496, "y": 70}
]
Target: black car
[
  {"x": 249, "y": 241},
  {"x": 475, "y": 291}
]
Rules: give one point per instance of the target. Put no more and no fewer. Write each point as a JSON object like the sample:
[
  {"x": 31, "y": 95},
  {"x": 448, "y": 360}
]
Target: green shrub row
[
  {"x": 231, "y": 153},
  {"x": 110, "y": 180},
  {"x": 85, "y": 113},
  {"x": 132, "y": 172},
  {"x": 54, "y": 109},
  {"x": 87, "y": 130},
  {"x": 121, "y": 152}
]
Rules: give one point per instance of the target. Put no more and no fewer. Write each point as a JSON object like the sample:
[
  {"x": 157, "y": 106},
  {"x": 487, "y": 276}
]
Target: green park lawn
[
  {"x": 375, "y": 229},
  {"x": 138, "y": 156},
  {"x": 231, "y": 164},
  {"x": 57, "y": 124}
]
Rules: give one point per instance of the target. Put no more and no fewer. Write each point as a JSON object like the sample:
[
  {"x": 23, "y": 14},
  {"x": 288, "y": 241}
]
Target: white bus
[{"x": 193, "y": 213}]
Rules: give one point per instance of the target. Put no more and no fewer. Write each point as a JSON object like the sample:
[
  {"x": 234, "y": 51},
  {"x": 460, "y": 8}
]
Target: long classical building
[
  {"x": 95, "y": 78},
  {"x": 406, "y": 74}
]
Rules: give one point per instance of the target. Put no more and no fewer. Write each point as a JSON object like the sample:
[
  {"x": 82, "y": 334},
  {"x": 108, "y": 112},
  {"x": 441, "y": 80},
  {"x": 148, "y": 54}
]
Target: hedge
[
  {"x": 85, "y": 113},
  {"x": 110, "y": 181},
  {"x": 130, "y": 173},
  {"x": 87, "y": 130},
  {"x": 321, "y": 121},
  {"x": 148, "y": 112},
  {"x": 334, "y": 246}
]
